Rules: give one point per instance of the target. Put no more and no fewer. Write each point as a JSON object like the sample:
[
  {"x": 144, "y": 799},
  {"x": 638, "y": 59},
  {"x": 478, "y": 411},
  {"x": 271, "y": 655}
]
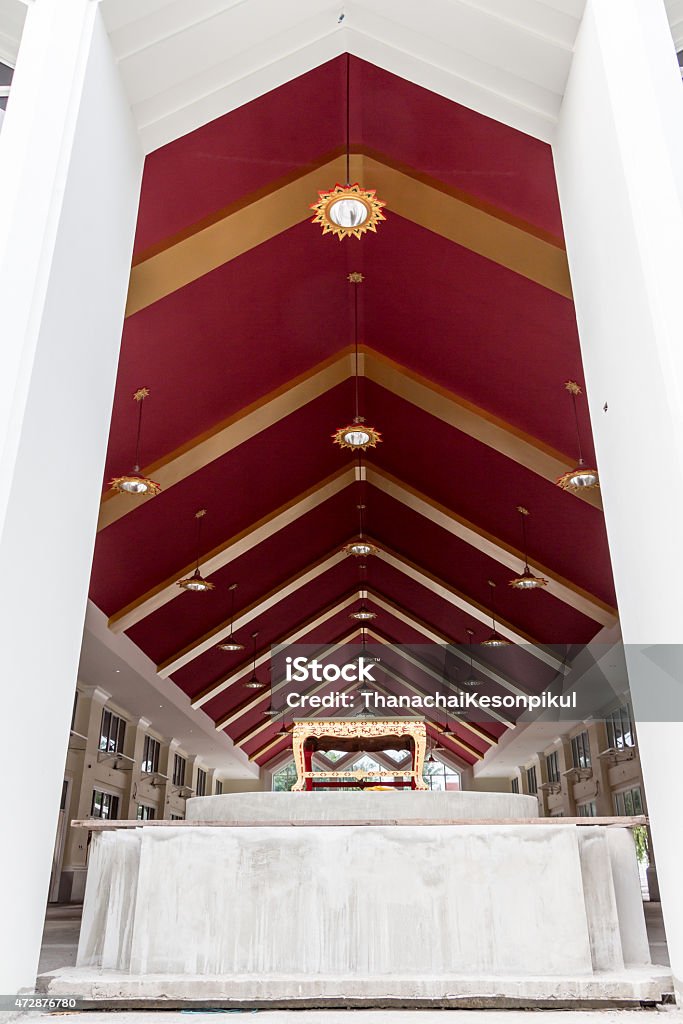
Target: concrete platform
[{"x": 634, "y": 987}]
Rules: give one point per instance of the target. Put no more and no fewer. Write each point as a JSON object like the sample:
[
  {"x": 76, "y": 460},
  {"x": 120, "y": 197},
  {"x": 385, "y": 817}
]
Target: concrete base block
[{"x": 631, "y": 987}]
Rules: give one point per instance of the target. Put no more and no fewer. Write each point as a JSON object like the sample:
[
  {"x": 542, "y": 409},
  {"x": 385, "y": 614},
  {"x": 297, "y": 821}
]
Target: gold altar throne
[{"x": 358, "y": 734}]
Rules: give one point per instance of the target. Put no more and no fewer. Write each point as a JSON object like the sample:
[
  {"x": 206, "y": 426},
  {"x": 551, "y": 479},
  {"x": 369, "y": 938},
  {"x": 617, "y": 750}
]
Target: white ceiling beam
[
  {"x": 464, "y": 604},
  {"x": 404, "y": 652},
  {"x": 264, "y": 657},
  {"x": 165, "y": 592},
  {"x": 214, "y": 636},
  {"x": 438, "y": 638},
  {"x": 488, "y": 545}
]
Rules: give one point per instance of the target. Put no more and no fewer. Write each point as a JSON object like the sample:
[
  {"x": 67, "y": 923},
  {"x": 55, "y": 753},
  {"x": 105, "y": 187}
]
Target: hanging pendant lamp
[
  {"x": 495, "y": 639},
  {"x": 254, "y": 683},
  {"x": 361, "y": 546},
  {"x": 527, "y": 581},
  {"x": 362, "y": 613},
  {"x": 356, "y": 435},
  {"x": 471, "y": 678},
  {"x": 230, "y": 644},
  {"x": 582, "y": 478},
  {"x": 347, "y": 210},
  {"x": 446, "y": 734},
  {"x": 196, "y": 581},
  {"x": 135, "y": 483}
]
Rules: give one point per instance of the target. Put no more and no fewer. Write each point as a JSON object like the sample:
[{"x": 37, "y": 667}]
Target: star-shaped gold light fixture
[
  {"x": 527, "y": 581},
  {"x": 134, "y": 483},
  {"x": 229, "y": 644},
  {"x": 494, "y": 639},
  {"x": 348, "y": 210},
  {"x": 196, "y": 582},
  {"x": 471, "y": 677},
  {"x": 361, "y": 547},
  {"x": 254, "y": 683},
  {"x": 582, "y": 477},
  {"x": 363, "y": 614},
  {"x": 356, "y": 435}
]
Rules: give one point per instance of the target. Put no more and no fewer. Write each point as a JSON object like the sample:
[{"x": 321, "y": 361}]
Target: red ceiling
[{"x": 456, "y": 319}]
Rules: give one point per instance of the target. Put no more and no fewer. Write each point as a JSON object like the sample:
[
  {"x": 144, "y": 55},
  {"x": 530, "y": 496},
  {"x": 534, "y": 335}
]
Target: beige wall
[
  {"x": 87, "y": 769},
  {"x": 608, "y": 774}
]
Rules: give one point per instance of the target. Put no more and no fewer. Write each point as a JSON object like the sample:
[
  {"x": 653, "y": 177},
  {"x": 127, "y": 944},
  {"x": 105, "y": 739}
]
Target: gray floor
[
  {"x": 60, "y": 938},
  {"x": 672, "y": 1015}
]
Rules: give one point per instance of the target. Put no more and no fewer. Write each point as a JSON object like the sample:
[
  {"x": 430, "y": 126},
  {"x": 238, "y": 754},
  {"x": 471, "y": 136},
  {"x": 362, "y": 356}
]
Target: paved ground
[{"x": 667, "y": 1015}]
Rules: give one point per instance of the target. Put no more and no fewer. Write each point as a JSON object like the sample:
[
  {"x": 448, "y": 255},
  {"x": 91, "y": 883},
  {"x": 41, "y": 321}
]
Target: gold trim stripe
[{"x": 493, "y": 235}]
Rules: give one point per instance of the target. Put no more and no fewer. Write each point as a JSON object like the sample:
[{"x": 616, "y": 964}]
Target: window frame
[
  {"x": 179, "y": 768},
  {"x": 552, "y": 767},
  {"x": 109, "y": 800},
  {"x": 113, "y": 733},
  {"x": 581, "y": 751},
  {"x": 151, "y": 751}
]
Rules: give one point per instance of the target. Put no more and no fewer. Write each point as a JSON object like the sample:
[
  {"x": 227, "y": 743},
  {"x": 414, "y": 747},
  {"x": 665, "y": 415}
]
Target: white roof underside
[{"x": 186, "y": 62}]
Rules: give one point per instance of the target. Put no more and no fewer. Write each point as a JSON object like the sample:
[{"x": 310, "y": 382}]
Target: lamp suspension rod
[
  {"x": 348, "y": 119},
  {"x": 199, "y": 516},
  {"x": 355, "y": 342}
]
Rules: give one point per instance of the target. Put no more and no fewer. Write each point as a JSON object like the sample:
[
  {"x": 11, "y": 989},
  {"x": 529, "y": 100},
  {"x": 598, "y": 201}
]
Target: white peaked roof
[{"x": 185, "y": 62}]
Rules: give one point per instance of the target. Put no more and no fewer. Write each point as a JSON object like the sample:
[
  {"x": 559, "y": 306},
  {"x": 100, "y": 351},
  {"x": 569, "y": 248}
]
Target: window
[
  {"x": 581, "y": 751},
  {"x": 531, "y": 780},
  {"x": 440, "y": 776},
  {"x": 552, "y": 765},
  {"x": 112, "y": 733},
  {"x": 557, "y": 814},
  {"x": 514, "y": 785},
  {"x": 178, "y": 770},
  {"x": 219, "y": 787},
  {"x": 201, "y": 782},
  {"x": 587, "y": 810},
  {"x": 145, "y": 813},
  {"x": 150, "y": 756},
  {"x": 104, "y": 805},
  {"x": 73, "y": 712},
  {"x": 628, "y": 801},
  {"x": 284, "y": 778},
  {"x": 620, "y": 728},
  {"x": 177, "y": 817}
]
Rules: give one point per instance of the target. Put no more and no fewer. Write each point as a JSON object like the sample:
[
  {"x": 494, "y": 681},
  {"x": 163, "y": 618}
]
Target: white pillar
[
  {"x": 70, "y": 166},
  {"x": 619, "y": 161}
]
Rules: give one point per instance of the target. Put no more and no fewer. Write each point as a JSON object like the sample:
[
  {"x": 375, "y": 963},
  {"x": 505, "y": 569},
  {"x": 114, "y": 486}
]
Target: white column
[
  {"x": 70, "y": 166},
  {"x": 619, "y": 160}
]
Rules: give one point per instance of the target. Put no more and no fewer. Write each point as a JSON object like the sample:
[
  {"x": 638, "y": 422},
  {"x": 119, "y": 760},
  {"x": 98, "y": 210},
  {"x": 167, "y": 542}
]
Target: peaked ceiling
[{"x": 240, "y": 321}]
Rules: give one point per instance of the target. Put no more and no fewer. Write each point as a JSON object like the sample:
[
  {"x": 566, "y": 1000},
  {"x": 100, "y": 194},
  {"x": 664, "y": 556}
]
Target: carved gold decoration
[
  {"x": 196, "y": 583},
  {"x": 578, "y": 480},
  {"x": 135, "y": 485},
  {"x": 572, "y": 387},
  {"x": 341, "y": 436},
  {"x": 355, "y": 277},
  {"x": 366, "y": 197},
  {"x": 361, "y": 729},
  {"x": 360, "y": 548},
  {"x": 527, "y": 581}
]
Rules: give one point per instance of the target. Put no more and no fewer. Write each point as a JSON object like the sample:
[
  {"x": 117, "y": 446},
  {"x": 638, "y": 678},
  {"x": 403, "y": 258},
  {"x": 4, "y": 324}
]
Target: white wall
[
  {"x": 71, "y": 166},
  {"x": 619, "y": 160}
]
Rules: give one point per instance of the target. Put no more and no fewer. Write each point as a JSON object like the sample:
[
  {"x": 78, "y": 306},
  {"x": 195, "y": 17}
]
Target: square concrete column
[
  {"x": 70, "y": 165},
  {"x": 619, "y": 160}
]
